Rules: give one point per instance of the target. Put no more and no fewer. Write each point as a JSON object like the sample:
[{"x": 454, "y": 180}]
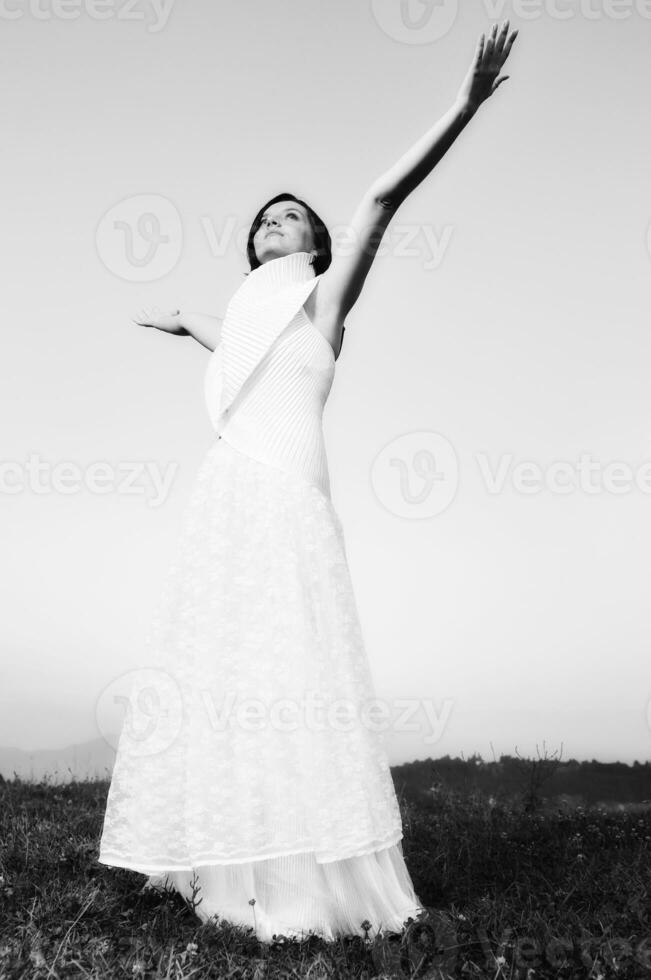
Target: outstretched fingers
[
  {"x": 144, "y": 316},
  {"x": 508, "y": 46},
  {"x": 479, "y": 51},
  {"x": 499, "y": 43},
  {"x": 479, "y": 54},
  {"x": 498, "y": 47},
  {"x": 490, "y": 44},
  {"x": 491, "y": 52}
]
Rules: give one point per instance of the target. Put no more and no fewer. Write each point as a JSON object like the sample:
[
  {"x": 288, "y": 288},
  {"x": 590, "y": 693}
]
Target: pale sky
[{"x": 505, "y": 323}]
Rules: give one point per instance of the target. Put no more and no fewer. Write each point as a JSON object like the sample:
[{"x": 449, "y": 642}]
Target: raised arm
[
  {"x": 342, "y": 282},
  {"x": 479, "y": 84},
  {"x": 205, "y": 329}
]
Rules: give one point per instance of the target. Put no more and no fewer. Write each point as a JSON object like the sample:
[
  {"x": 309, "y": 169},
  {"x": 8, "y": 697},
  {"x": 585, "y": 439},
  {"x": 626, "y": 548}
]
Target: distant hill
[
  {"x": 582, "y": 782},
  {"x": 92, "y": 760}
]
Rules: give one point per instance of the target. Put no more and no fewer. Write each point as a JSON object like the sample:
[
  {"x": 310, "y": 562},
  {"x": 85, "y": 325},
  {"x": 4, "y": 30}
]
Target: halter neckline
[{"x": 282, "y": 270}]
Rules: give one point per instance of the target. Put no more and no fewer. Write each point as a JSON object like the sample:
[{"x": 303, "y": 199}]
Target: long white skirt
[{"x": 260, "y": 771}]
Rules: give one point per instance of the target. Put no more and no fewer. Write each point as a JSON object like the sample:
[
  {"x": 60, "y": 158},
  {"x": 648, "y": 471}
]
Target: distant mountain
[{"x": 92, "y": 760}]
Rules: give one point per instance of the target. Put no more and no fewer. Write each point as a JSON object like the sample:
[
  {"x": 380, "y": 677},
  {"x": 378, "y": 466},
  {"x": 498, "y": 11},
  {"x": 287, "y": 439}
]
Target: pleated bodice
[{"x": 268, "y": 380}]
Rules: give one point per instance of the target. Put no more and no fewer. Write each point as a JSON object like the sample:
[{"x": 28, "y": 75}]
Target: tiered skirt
[{"x": 251, "y": 773}]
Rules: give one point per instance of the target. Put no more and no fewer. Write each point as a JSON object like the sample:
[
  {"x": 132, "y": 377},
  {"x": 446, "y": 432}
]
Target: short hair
[{"x": 322, "y": 241}]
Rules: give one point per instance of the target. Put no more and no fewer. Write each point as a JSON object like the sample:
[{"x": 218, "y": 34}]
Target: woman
[{"x": 252, "y": 795}]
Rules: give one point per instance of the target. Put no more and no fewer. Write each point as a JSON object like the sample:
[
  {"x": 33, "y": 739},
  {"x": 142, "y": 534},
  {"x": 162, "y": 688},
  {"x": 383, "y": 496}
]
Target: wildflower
[{"x": 191, "y": 948}]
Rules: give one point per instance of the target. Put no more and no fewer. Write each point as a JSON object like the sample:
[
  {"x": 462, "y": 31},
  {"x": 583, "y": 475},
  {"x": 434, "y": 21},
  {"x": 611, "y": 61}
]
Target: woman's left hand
[{"x": 482, "y": 78}]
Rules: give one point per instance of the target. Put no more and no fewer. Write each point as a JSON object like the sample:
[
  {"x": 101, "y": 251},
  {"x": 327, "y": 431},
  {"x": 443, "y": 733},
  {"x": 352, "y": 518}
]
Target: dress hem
[{"x": 114, "y": 861}]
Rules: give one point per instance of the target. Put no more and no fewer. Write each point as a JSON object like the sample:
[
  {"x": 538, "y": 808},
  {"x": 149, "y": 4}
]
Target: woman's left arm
[
  {"x": 479, "y": 84},
  {"x": 342, "y": 282}
]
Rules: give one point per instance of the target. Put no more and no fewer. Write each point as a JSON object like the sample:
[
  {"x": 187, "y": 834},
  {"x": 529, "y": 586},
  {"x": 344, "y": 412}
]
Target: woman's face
[{"x": 285, "y": 228}]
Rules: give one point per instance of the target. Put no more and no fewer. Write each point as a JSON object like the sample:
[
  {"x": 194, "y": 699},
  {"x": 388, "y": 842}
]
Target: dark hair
[{"x": 322, "y": 242}]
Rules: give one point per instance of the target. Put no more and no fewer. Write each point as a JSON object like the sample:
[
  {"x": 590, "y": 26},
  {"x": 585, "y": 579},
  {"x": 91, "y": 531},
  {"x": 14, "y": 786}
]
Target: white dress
[{"x": 248, "y": 782}]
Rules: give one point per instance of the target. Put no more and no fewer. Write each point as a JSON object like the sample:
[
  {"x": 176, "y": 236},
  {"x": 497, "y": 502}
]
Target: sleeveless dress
[{"x": 249, "y": 782}]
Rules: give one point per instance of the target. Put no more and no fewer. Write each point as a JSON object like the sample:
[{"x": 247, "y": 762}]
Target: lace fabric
[
  {"x": 249, "y": 760},
  {"x": 257, "y": 609}
]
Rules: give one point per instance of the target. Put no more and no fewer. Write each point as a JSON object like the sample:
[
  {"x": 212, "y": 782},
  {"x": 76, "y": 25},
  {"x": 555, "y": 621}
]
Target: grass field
[{"x": 509, "y": 894}]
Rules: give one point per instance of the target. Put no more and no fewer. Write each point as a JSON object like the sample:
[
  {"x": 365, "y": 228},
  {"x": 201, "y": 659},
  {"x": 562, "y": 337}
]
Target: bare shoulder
[{"x": 340, "y": 285}]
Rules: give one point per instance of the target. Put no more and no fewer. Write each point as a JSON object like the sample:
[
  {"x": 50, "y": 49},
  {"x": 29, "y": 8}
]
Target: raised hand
[
  {"x": 153, "y": 317},
  {"x": 482, "y": 78}
]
